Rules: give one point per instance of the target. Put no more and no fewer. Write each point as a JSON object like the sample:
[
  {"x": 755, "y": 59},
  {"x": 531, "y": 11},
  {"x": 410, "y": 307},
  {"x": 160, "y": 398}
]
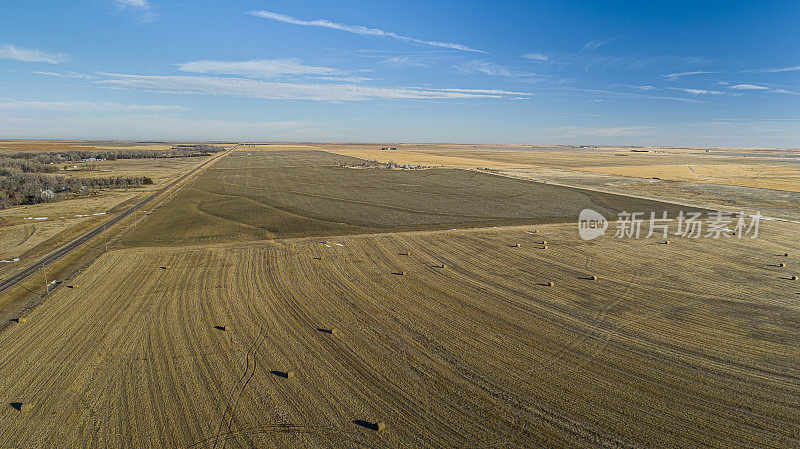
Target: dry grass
[{"x": 692, "y": 346}]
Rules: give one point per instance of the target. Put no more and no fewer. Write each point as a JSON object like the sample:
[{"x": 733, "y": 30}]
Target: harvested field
[
  {"x": 269, "y": 194},
  {"x": 687, "y": 345}
]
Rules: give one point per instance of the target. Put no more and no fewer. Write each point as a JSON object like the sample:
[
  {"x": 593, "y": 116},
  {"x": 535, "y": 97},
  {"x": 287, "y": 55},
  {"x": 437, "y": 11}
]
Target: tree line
[
  {"x": 18, "y": 188},
  {"x": 57, "y": 157},
  {"x": 29, "y": 177}
]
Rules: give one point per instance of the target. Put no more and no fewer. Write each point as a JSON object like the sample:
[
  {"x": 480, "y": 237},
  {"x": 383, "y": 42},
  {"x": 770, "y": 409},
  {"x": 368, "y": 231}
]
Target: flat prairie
[
  {"x": 692, "y": 344},
  {"x": 292, "y": 297},
  {"x": 291, "y": 193}
]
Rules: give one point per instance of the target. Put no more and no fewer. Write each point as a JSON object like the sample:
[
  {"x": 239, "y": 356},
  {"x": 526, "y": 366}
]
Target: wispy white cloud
[
  {"x": 256, "y": 68},
  {"x": 749, "y": 87},
  {"x": 485, "y": 67},
  {"x": 7, "y": 104},
  {"x": 616, "y": 93},
  {"x": 535, "y": 57},
  {"x": 485, "y": 91},
  {"x": 272, "y": 90},
  {"x": 403, "y": 61},
  {"x": 66, "y": 75},
  {"x": 677, "y": 76},
  {"x": 596, "y": 43},
  {"x": 490, "y": 68},
  {"x": 9, "y": 51},
  {"x": 698, "y": 91},
  {"x": 793, "y": 68},
  {"x": 357, "y": 29},
  {"x": 141, "y": 6},
  {"x": 784, "y": 91}
]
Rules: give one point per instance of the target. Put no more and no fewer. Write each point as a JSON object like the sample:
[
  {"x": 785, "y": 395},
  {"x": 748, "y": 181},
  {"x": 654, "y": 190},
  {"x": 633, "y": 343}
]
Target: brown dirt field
[
  {"x": 687, "y": 345},
  {"x": 768, "y": 169},
  {"x": 252, "y": 195}
]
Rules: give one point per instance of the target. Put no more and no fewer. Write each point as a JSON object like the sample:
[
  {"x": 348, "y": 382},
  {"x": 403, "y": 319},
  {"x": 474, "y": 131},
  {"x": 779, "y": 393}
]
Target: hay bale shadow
[
  {"x": 399, "y": 273},
  {"x": 371, "y": 426},
  {"x": 545, "y": 284},
  {"x": 283, "y": 374},
  {"x": 220, "y": 328},
  {"x": 18, "y": 406}
]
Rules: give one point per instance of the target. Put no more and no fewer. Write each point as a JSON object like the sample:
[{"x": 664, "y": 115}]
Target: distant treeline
[
  {"x": 30, "y": 158},
  {"x": 29, "y": 177},
  {"x": 18, "y": 188},
  {"x": 10, "y": 165}
]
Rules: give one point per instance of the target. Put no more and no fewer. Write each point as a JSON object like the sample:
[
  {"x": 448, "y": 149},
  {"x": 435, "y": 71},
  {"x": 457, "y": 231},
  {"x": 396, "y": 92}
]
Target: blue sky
[{"x": 700, "y": 73}]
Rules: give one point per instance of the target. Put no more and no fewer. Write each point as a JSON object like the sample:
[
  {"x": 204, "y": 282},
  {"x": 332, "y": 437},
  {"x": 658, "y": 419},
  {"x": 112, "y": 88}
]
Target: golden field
[{"x": 292, "y": 297}]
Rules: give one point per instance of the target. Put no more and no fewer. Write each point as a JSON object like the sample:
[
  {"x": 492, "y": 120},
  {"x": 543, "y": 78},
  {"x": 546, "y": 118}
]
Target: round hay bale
[
  {"x": 544, "y": 247},
  {"x": 515, "y": 245},
  {"x": 544, "y": 242},
  {"x": 380, "y": 426},
  {"x": 667, "y": 242},
  {"x": 781, "y": 264},
  {"x": 794, "y": 278},
  {"x": 593, "y": 278},
  {"x": 291, "y": 374},
  {"x": 785, "y": 254},
  {"x": 25, "y": 406},
  {"x": 334, "y": 331},
  {"x": 22, "y": 320},
  {"x": 549, "y": 284}
]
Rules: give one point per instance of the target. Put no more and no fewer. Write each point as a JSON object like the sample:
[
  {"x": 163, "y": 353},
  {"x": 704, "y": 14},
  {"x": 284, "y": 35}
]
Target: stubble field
[
  {"x": 684, "y": 345},
  {"x": 520, "y": 335}
]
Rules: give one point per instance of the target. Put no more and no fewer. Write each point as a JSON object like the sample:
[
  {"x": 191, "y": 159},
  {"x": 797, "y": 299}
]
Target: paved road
[{"x": 60, "y": 252}]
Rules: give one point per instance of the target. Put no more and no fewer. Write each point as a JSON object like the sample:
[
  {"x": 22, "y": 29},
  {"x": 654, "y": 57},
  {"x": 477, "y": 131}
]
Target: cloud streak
[
  {"x": 9, "y": 51},
  {"x": 143, "y": 6},
  {"x": 139, "y": 4},
  {"x": 256, "y": 68},
  {"x": 596, "y": 43},
  {"x": 698, "y": 91},
  {"x": 66, "y": 75},
  {"x": 357, "y": 29},
  {"x": 677, "y": 76},
  {"x": 490, "y": 68},
  {"x": 536, "y": 57},
  {"x": 749, "y": 87},
  {"x": 7, "y": 104},
  {"x": 272, "y": 90},
  {"x": 775, "y": 70}
]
